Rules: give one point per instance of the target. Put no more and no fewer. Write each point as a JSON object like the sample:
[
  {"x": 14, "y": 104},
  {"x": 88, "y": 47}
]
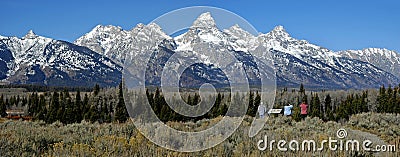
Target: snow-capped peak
[
  {"x": 102, "y": 39},
  {"x": 279, "y": 31},
  {"x": 102, "y": 29},
  {"x": 203, "y": 29},
  {"x": 138, "y": 27},
  {"x": 279, "y": 28},
  {"x": 205, "y": 20},
  {"x": 279, "y": 39},
  {"x": 237, "y": 30},
  {"x": 240, "y": 39},
  {"x": 108, "y": 28},
  {"x": 235, "y": 27},
  {"x": 156, "y": 28},
  {"x": 30, "y": 35},
  {"x": 98, "y": 30},
  {"x": 116, "y": 43}
]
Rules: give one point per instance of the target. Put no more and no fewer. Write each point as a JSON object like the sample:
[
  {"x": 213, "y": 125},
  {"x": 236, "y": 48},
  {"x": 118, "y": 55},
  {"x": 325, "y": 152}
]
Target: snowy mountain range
[
  {"x": 382, "y": 58},
  {"x": 34, "y": 59},
  {"x": 99, "y": 55}
]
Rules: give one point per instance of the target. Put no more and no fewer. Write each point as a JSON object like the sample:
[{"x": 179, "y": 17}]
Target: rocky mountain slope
[{"x": 34, "y": 59}]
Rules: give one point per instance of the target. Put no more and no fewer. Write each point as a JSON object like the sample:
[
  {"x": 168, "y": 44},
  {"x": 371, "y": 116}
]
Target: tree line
[
  {"x": 222, "y": 102},
  {"x": 42, "y": 88},
  {"x": 70, "y": 108},
  {"x": 341, "y": 106},
  {"x": 107, "y": 105}
]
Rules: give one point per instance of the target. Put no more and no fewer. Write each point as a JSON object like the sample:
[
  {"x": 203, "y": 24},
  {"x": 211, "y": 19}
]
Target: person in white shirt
[{"x": 287, "y": 110}]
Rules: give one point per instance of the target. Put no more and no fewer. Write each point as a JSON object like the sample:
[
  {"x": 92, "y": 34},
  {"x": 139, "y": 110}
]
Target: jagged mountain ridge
[
  {"x": 34, "y": 59},
  {"x": 116, "y": 43},
  {"x": 383, "y": 58},
  {"x": 331, "y": 70},
  {"x": 297, "y": 61}
]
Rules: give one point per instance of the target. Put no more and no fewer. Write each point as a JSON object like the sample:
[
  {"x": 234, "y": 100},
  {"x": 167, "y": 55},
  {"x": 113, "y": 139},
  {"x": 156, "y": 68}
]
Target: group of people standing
[{"x": 287, "y": 110}]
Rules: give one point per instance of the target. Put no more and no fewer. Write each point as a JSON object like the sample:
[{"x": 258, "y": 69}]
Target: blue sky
[{"x": 337, "y": 25}]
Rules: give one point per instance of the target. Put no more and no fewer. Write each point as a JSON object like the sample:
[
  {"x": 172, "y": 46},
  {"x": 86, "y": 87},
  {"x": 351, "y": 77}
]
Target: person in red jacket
[{"x": 303, "y": 107}]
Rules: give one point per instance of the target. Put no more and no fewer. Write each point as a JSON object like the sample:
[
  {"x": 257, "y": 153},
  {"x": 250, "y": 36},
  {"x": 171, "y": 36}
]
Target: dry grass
[
  {"x": 20, "y": 138},
  {"x": 2, "y": 120}
]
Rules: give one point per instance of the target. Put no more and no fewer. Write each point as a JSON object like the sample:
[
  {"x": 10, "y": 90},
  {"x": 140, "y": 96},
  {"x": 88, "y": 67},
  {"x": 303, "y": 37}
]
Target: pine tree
[
  {"x": 54, "y": 107},
  {"x": 217, "y": 106},
  {"x": 104, "y": 111},
  {"x": 42, "y": 110},
  {"x": 315, "y": 106},
  {"x": 398, "y": 105},
  {"x": 328, "y": 108},
  {"x": 382, "y": 100},
  {"x": 3, "y": 107},
  {"x": 364, "y": 102},
  {"x": 7, "y": 103},
  {"x": 85, "y": 107},
  {"x": 397, "y": 100},
  {"x": 251, "y": 108},
  {"x": 222, "y": 109},
  {"x": 157, "y": 102},
  {"x": 36, "y": 104},
  {"x": 67, "y": 109},
  {"x": 304, "y": 99},
  {"x": 121, "y": 115},
  {"x": 196, "y": 99},
  {"x": 302, "y": 90},
  {"x": 391, "y": 100},
  {"x": 342, "y": 112},
  {"x": 189, "y": 100},
  {"x": 23, "y": 101},
  {"x": 96, "y": 89},
  {"x": 319, "y": 105},
  {"x": 18, "y": 100},
  {"x": 302, "y": 96},
  {"x": 32, "y": 104},
  {"x": 68, "y": 116},
  {"x": 77, "y": 108},
  {"x": 13, "y": 101},
  {"x": 257, "y": 101}
]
